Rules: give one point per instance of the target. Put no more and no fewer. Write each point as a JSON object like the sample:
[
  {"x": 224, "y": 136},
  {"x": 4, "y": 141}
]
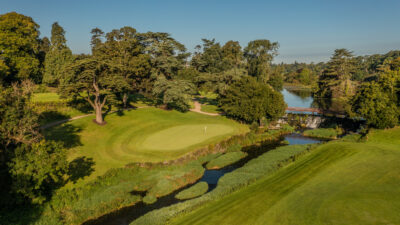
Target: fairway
[
  {"x": 338, "y": 183},
  {"x": 142, "y": 135}
]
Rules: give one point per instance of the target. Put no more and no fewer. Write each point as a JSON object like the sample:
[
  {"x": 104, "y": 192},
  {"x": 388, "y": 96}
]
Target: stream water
[{"x": 126, "y": 215}]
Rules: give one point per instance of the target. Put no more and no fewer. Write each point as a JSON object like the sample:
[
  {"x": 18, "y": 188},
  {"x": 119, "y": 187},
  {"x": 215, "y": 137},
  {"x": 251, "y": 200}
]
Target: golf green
[
  {"x": 179, "y": 137},
  {"x": 142, "y": 135}
]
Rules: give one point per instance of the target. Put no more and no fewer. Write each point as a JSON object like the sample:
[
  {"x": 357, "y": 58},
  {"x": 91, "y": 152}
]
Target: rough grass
[
  {"x": 120, "y": 141},
  {"x": 46, "y": 97},
  {"x": 194, "y": 191},
  {"x": 338, "y": 183},
  {"x": 210, "y": 108},
  {"x": 116, "y": 189},
  {"x": 325, "y": 133},
  {"x": 225, "y": 160}
]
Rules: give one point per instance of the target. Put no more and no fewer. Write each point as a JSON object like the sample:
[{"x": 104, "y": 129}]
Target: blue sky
[{"x": 306, "y": 30}]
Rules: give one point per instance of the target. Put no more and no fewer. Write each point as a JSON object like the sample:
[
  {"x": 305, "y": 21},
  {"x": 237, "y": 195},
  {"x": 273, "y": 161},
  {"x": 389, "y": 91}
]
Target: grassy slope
[
  {"x": 123, "y": 139},
  {"x": 338, "y": 183}
]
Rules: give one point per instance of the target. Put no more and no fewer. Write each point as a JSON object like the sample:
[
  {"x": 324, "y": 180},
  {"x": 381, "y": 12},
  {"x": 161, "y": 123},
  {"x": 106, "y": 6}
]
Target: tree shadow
[
  {"x": 47, "y": 117},
  {"x": 65, "y": 133},
  {"x": 79, "y": 168},
  {"x": 207, "y": 101}
]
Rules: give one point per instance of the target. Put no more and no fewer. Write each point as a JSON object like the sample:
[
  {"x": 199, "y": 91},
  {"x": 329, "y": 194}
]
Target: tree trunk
[
  {"x": 125, "y": 99},
  {"x": 99, "y": 115}
]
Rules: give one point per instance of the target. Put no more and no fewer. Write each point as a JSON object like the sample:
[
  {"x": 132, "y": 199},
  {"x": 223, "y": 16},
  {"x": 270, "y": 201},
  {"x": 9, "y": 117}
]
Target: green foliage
[
  {"x": 193, "y": 192},
  {"x": 176, "y": 94},
  {"x": 31, "y": 168},
  {"x": 225, "y": 160},
  {"x": 149, "y": 199},
  {"x": 38, "y": 169},
  {"x": 115, "y": 190},
  {"x": 234, "y": 148},
  {"x": 19, "y": 44},
  {"x": 325, "y": 133},
  {"x": 259, "y": 55},
  {"x": 57, "y": 57},
  {"x": 376, "y": 106},
  {"x": 250, "y": 101},
  {"x": 335, "y": 81}
]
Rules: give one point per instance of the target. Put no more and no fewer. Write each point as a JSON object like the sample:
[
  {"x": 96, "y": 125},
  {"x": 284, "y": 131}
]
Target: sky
[{"x": 307, "y": 31}]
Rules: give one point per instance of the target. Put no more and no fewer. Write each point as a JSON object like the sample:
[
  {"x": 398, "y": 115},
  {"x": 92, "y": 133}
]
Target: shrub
[
  {"x": 325, "y": 133},
  {"x": 234, "y": 148},
  {"x": 149, "y": 199},
  {"x": 194, "y": 191}
]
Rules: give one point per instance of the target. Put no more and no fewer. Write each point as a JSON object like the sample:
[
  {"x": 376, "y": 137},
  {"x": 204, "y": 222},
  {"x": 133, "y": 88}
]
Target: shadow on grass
[
  {"x": 80, "y": 167},
  {"x": 51, "y": 116},
  {"x": 66, "y": 134},
  {"x": 207, "y": 101}
]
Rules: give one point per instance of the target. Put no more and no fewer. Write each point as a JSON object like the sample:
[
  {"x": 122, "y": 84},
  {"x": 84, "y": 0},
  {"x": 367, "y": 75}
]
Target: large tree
[
  {"x": 19, "y": 44},
  {"x": 251, "y": 101},
  {"x": 125, "y": 51},
  {"x": 335, "y": 81},
  {"x": 30, "y": 167},
  {"x": 92, "y": 79},
  {"x": 259, "y": 55},
  {"x": 378, "y": 101},
  {"x": 57, "y": 57}
]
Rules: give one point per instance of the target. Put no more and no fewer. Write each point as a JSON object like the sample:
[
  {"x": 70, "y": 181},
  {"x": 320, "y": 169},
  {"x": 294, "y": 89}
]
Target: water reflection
[{"x": 297, "y": 98}]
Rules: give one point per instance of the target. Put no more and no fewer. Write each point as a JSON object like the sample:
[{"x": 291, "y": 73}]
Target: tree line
[{"x": 123, "y": 62}]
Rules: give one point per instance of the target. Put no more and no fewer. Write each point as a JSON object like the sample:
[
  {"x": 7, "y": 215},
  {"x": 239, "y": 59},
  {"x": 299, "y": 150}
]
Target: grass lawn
[
  {"x": 46, "y": 97},
  {"x": 142, "y": 135},
  {"x": 337, "y": 183}
]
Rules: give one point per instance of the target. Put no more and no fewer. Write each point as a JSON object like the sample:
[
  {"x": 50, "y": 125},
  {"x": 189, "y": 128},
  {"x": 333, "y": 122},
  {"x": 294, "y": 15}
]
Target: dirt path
[{"x": 197, "y": 109}]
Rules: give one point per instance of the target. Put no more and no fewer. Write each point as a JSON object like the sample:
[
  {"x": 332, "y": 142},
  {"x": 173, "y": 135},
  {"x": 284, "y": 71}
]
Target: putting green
[
  {"x": 142, "y": 135},
  {"x": 179, "y": 137}
]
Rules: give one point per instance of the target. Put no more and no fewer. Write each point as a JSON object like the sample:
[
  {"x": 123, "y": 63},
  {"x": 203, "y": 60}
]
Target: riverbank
[{"x": 350, "y": 174}]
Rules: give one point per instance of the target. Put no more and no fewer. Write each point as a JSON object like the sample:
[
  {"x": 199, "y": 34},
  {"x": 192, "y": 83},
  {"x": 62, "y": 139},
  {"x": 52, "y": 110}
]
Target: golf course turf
[
  {"x": 141, "y": 135},
  {"x": 337, "y": 183}
]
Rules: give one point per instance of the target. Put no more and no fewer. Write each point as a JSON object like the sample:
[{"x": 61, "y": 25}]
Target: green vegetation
[
  {"x": 142, "y": 135},
  {"x": 356, "y": 179},
  {"x": 116, "y": 189},
  {"x": 57, "y": 57},
  {"x": 46, "y": 97},
  {"x": 255, "y": 169},
  {"x": 225, "y": 160},
  {"x": 194, "y": 191},
  {"x": 324, "y": 133},
  {"x": 251, "y": 101}
]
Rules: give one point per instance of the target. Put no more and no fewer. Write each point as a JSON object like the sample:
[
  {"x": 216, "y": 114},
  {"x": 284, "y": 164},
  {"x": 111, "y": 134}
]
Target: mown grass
[
  {"x": 341, "y": 182},
  {"x": 194, "y": 191},
  {"x": 125, "y": 138},
  {"x": 324, "y": 133},
  {"x": 225, "y": 160}
]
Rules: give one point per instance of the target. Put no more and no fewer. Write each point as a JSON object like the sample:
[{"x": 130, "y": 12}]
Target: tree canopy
[
  {"x": 250, "y": 101},
  {"x": 19, "y": 44}
]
